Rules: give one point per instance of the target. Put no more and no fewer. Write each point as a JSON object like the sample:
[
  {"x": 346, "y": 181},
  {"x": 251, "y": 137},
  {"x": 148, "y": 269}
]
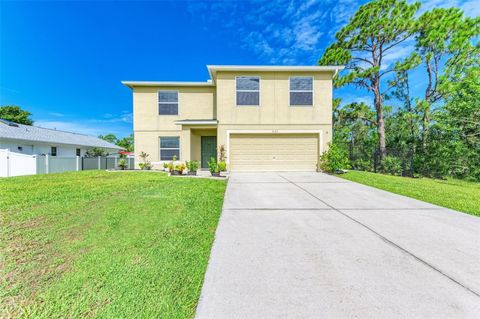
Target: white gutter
[
  {"x": 132, "y": 84},
  {"x": 335, "y": 74},
  {"x": 212, "y": 69},
  {"x": 199, "y": 122}
]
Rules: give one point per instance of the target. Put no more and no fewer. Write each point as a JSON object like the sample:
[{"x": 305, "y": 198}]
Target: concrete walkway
[{"x": 309, "y": 245}]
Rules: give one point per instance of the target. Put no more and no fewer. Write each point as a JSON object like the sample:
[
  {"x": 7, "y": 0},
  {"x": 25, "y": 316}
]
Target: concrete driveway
[{"x": 310, "y": 245}]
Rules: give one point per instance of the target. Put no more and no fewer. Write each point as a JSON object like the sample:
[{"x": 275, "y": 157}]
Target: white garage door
[{"x": 273, "y": 152}]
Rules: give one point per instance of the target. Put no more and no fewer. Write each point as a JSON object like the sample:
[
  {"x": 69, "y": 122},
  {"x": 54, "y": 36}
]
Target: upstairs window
[
  {"x": 248, "y": 90},
  {"x": 168, "y": 102},
  {"x": 53, "y": 151},
  {"x": 78, "y": 152},
  {"x": 301, "y": 91},
  {"x": 169, "y": 146}
]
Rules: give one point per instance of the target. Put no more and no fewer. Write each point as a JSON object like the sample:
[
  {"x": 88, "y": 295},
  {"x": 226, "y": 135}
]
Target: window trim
[
  {"x": 169, "y": 148},
  {"x": 259, "y": 87},
  {"x": 290, "y": 90},
  {"x": 158, "y": 102}
]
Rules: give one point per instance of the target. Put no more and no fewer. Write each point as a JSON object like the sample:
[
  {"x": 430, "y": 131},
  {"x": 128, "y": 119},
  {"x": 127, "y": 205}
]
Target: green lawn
[
  {"x": 105, "y": 244},
  {"x": 452, "y": 193}
]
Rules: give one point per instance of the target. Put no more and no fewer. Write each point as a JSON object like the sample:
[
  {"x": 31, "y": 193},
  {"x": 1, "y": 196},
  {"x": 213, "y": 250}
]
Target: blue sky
[{"x": 63, "y": 61}]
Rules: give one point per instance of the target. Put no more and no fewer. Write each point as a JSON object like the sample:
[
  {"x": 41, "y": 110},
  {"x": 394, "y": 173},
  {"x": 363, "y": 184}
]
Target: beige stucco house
[{"x": 267, "y": 118}]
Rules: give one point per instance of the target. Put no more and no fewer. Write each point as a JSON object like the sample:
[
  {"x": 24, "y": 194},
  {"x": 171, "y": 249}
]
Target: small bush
[
  {"x": 146, "y": 163},
  {"x": 392, "y": 165},
  {"x": 122, "y": 163},
  {"x": 212, "y": 165},
  {"x": 222, "y": 166},
  {"x": 180, "y": 168},
  {"x": 192, "y": 166},
  {"x": 334, "y": 159},
  {"x": 145, "y": 166}
]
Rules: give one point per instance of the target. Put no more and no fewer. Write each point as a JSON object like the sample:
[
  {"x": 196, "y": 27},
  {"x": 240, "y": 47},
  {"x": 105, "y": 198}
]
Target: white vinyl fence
[{"x": 16, "y": 164}]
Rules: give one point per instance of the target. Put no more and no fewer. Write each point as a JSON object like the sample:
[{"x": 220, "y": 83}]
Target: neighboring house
[
  {"x": 276, "y": 118},
  {"x": 33, "y": 140}
]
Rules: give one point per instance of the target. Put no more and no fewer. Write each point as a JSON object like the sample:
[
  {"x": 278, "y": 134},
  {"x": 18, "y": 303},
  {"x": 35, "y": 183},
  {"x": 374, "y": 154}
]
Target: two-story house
[{"x": 265, "y": 118}]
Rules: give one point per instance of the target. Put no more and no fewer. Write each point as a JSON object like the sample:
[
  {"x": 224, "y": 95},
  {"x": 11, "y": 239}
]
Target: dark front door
[{"x": 209, "y": 149}]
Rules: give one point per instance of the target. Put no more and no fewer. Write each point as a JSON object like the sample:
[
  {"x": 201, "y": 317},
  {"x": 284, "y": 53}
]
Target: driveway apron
[{"x": 310, "y": 245}]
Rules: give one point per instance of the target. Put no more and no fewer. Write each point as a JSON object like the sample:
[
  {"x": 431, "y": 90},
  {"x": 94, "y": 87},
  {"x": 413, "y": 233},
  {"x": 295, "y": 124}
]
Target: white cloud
[
  {"x": 293, "y": 31},
  {"x": 281, "y": 31},
  {"x": 75, "y": 127},
  {"x": 341, "y": 14},
  {"x": 123, "y": 117},
  {"x": 348, "y": 98},
  {"x": 118, "y": 124},
  {"x": 471, "y": 8},
  {"x": 289, "y": 38},
  {"x": 428, "y": 5},
  {"x": 397, "y": 53}
]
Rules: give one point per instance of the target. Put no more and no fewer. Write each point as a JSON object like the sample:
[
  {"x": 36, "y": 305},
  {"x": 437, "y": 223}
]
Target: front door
[{"x": 209, "y": 149}]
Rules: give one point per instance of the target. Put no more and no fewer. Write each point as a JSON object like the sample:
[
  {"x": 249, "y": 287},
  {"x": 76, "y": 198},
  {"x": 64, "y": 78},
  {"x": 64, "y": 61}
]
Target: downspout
[{"x": 335, "y": 74}]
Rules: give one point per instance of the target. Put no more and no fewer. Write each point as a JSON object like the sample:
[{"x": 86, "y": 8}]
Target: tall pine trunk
[
  {"x": 425, "y": 126},
  {"x": 382, "y": 148}
]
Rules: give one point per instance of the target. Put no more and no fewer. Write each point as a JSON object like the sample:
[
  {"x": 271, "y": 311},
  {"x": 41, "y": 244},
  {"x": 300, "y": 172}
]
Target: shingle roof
[{"x": 39, "y": 134}]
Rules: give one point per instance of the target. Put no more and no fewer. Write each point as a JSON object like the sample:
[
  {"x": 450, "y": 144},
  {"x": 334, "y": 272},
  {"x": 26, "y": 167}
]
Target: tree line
[
  {"x": 425, "y": 116},
  {"x": 126, "y": 143}
]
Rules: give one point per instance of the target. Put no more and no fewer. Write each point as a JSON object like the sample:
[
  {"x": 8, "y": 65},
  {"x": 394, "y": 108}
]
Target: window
[
  {"x": 301, "y": 91},
  {"x": 169, "y": 146},
  {"x": 53, "y": 151},
  {"x": 78, "y": 152},
  {"x": 168, "y": 102},
  {"x": 248, "y": 90}
]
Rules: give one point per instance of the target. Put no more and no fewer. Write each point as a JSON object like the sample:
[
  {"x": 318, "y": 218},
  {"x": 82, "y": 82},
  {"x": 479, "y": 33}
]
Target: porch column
[{"x": 185, "y": 144}]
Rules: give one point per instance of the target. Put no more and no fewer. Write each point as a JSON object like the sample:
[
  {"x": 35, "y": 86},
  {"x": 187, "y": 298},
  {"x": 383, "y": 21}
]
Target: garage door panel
[{"x": 273, "y": 152}]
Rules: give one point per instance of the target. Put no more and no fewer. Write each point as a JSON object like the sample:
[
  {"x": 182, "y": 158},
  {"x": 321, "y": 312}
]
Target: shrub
[
  {"x": 392, "y": 165},
  {"x": 171, "y": 165},
  {"x": 192, "y": 166},
  {"x": 145, "y": 166},
  {"x": 122, "y": 163},
  {"x": 334, "y": 159},
  {"x": 144, "y": 156},
  {"x": 222, "y": 166},
  {"x": 180, "y": 168},
  {"x": 212, "y": 165}
]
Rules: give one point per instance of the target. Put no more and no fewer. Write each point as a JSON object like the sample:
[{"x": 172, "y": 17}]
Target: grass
[
  {"x": 97, "y": 244},
  {"x": 452, "y": 193}
]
